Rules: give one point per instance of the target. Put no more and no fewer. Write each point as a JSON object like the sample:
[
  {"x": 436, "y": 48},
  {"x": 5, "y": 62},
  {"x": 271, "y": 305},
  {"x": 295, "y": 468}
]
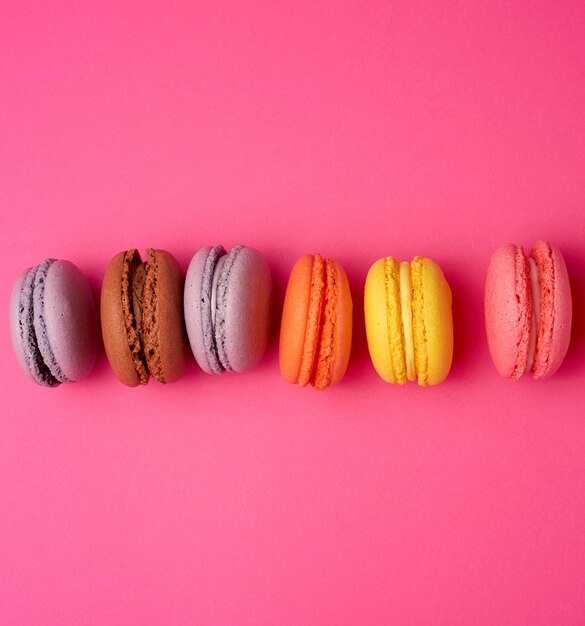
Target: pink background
[{"x": 354, "y": 129}]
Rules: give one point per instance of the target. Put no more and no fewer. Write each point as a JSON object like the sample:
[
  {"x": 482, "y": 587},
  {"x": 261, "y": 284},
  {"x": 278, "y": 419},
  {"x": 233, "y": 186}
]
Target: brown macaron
[{"x": 142, "y": 317}]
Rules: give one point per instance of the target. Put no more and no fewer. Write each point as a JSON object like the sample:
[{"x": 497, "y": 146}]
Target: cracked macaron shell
[
  {"x": 432, "y": 321},
  {"x": 159, "y": 349},
  {"x": 316, "y": 327},
  {"x": 243, "y": 285},
  {"x": 61, "y": 325}
]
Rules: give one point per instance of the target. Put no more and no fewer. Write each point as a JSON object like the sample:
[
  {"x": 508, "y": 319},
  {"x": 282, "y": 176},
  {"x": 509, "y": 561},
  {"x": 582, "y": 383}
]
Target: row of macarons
[{"x": 151, "y": 313}]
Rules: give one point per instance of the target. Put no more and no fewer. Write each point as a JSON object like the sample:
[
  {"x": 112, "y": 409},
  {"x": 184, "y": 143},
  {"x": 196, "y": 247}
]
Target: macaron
[
  {"x": 227, "y": 306},
  {"x": 409, "y": 322},
  {"x": 142, "y": 317},
  {"x": 53, "y": 323},
  {"x": 528, "y": 310},
  {"x": 316, "y": 328}
]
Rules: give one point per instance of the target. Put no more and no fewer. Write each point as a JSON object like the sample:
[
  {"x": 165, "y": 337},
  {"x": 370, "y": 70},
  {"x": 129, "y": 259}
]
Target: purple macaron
[
  {"x": 53, "y": 323},
  {"x": 227, "y": 307}
]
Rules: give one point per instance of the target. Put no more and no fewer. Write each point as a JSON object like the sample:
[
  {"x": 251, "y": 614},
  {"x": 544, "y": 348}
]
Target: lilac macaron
[
  {"x": 227, "y": 304},
  {"x": 53, "y": 323}
]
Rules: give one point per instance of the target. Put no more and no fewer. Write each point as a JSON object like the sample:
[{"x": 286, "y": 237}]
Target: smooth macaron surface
[
  {"x": 54, "y": 323},
  {"x": 514, "y": 316},
  {"x": 142, "y": 317},
  {"x": 316, "y": 327},
  {"x": 227, "y": 306},
  {"x": 425, "y": 311}
]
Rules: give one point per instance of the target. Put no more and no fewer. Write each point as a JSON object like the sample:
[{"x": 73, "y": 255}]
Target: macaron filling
[
  {"x": 403, "y": 284},
  {"x": 321, "y": 340},
  {"x": 406, "y": 312},
  {"x": 214, "y": 290},
  {"x": 311, "y": 341},
  {"x": 149, "y": 325},
  {"x": 394, "y": 325},
  {"x": 532, "y": 322},
  {"x": 132, "y": 286},
  {"x": 219, "y": 321},
  {"x": 43, "y": 343},
  {"x": 524, "y": 312},
  {"x": 139, "y": 305},
  {"x": 214, "y": 283},
  {"x": 535, "y": 322},
  {"x": 208, "y": 306},
  {"x": 325, "y": 357},
  {"x": 138, "y": 280},
  {"x": 547, "y": 279}
]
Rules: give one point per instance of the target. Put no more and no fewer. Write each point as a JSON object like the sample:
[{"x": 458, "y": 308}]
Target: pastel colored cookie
[
  {"x": 528, "y": 310},
  {"x": 227, "y": 306},
  {"x": 53, "y": 323},
  {"x": 409, "y": 322},
  {"x": 315, "y": 334},
  {"x": 142, "y": 317}
]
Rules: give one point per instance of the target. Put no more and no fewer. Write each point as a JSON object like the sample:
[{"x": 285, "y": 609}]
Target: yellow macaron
[{"x": 409, "y": 322}]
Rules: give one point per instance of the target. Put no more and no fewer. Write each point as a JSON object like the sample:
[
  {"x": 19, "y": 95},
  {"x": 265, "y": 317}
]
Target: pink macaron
[{"x": 528, "y": 310}]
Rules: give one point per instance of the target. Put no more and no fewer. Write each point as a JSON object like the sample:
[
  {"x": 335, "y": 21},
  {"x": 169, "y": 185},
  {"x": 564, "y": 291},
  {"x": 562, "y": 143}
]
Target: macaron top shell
[{"x": 227, "y": 303}]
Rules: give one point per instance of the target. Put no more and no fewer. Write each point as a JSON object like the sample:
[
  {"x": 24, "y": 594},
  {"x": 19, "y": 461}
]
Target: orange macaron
[{"x": 315, "y": 334}]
